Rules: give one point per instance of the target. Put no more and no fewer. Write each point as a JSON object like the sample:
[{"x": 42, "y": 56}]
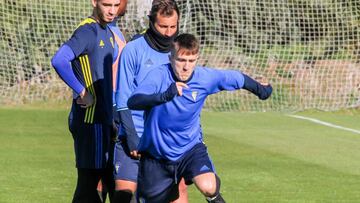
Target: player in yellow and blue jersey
[
  {"x": 84, "y": 62},
  {"x": 171, "y": 146},
  {"x": 120, "y": 42}
]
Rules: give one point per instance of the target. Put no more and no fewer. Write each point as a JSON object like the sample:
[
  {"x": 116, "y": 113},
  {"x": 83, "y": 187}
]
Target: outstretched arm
[
  {"x": 232, "y": 80},
  {"x": 263, "y": 91}
]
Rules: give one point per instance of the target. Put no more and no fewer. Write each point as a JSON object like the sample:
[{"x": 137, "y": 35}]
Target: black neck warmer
[{"x": 158, "y": 41}]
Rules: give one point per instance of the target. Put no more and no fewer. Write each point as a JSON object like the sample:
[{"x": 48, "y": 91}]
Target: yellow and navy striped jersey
[{"x": 93, "y": 46}]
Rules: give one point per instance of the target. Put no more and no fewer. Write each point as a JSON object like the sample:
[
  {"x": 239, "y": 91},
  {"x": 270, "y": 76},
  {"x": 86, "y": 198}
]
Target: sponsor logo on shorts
[
  {"x": 117, "y": 168},
  {"x": 205, "y": 168}
]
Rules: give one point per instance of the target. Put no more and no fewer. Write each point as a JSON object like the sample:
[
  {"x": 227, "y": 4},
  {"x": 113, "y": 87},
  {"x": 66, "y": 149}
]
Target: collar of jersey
[{"x": 97, "y": 21}]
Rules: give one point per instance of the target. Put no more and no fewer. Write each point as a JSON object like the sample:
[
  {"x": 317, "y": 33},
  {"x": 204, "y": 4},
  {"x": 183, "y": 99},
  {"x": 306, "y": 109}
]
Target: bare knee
[
  {"x": 208, "y": 188},
  {"x": 125, "y": 185},
  {"x": 206, "y": 184}
]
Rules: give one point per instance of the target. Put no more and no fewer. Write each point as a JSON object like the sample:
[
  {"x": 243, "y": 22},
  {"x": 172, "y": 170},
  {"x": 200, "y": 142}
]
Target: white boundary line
[{"x": 325, "y": 123}]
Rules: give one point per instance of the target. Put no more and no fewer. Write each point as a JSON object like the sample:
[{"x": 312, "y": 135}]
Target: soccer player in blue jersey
[
  {"x": 171, "y": 146},
  {"x": 137, "y": 59},
  {"x": 84, "y": 62}
]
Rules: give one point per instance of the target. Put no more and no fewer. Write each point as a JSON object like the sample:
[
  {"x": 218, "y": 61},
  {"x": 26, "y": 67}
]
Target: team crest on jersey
[
  {"x": 112, "y": 42},
  {"x": 149, "y": 63},
  {"x": 194, "y": 95},
  {"x": 101, "y": 44}
]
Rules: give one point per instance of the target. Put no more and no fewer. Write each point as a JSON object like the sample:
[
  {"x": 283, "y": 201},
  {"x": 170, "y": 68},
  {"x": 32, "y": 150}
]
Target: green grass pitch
[{"x": 260, "y": 157}]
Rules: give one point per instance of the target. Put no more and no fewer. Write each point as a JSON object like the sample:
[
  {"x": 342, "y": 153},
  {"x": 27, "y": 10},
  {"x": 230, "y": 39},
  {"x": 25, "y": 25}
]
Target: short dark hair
[
  {"x": 186, "y": 44},
  {"x": 164, "y": 8}
]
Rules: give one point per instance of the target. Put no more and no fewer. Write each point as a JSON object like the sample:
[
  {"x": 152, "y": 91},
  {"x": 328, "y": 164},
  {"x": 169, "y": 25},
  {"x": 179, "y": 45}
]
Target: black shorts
[{"x": 158, "y": 179}]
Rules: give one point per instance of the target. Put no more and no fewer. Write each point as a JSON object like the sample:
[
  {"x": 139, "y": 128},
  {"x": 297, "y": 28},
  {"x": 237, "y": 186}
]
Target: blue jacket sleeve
[
  {"x": 143, "y": 101},
  {"x": 124, "y": 87},
  {"x": 125, "y": 77},
  {"x": 263, "y": 92},
  {"x": 127, "y": 123},
  {"x": 62, "y": 64}
]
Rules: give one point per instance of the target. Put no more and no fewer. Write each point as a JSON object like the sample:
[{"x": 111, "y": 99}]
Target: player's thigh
[
  {"x": 195, "y": 162},
  {"x": 84, "y": 145},
  {"x": 92, "y": 145},
  {"x": 156, "y": 180},
  {"x": 125, "y": 167},
  {"x": 182, "y": 196}
]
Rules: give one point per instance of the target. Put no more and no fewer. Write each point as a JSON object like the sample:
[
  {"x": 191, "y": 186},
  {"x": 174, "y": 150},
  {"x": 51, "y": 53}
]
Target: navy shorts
[
  {"x": 125, "y": 167},
  {"x": 92, "y": 143},
  {"x": 158, "y": 179}
]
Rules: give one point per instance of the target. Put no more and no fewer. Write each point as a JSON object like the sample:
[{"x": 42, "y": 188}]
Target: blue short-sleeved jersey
[
  {"x": 136, "y": 60},
  {"x": 93, "y": 46},
  {"x": 173, "y": 128}
]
